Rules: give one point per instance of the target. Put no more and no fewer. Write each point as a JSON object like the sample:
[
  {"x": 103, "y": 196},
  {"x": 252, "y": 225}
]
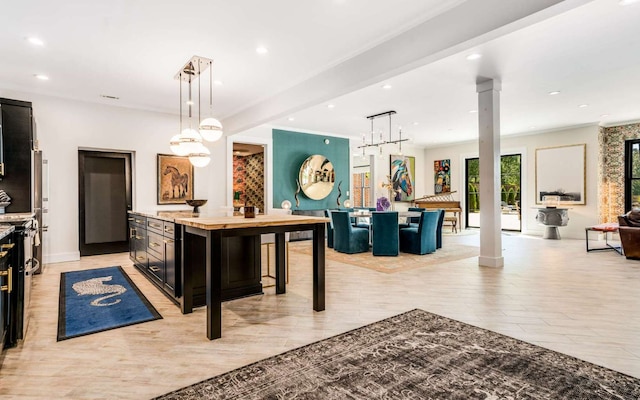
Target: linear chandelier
[
  {"x": 189, "y": 142},
  {"x": 381, "y": 143}
]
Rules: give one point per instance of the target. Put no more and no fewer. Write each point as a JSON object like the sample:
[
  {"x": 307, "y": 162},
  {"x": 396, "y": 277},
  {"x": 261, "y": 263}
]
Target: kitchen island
[
  {"x": 198, "y": 260},
  {"x": 208, "y": 235}
]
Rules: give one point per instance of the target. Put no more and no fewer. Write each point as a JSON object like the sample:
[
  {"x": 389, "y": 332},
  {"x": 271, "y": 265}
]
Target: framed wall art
[
  {"x": 442, "y": 176},
  {"x": 403, "y": 177},
  {"x": 561, "y": 171},
  {"x": 175, "y": 179}
]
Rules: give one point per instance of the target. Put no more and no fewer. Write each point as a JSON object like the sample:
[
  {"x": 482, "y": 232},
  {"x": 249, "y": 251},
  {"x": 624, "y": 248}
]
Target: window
[
  {"x": 361, "y": 189},
  {"x": 632, "y": 174}
]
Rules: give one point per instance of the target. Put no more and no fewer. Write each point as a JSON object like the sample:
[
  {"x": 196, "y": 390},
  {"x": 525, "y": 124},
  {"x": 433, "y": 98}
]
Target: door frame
[
  {"x": 107, "y": 248},
  {"x": 268, "y": 170}
]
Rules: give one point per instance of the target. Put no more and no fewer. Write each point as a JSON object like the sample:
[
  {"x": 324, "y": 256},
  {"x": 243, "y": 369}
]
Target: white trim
[{"x": 268, "y": 166}]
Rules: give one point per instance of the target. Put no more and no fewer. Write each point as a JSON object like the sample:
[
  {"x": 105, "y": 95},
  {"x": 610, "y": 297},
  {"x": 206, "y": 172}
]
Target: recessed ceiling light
[
  {"x": 532, "y": 127},
  {"x": 473, "y": 111},
  {"x": 604, "y": 115},
  {"x": 415, "y": 123},
  {"x": 262, "y": 50},
  {"x": 555, "y": 92},
  {"x": 627, "y": 2},
  {"x": 35, "y": 41},
  {"x": 583, "y": 105},
  {"x": 331, "y": 105},
  {"x": 386, "y": 86},
  {"x": 291, "y": 119},
  {"x": 42, "y": 77},
  {"x": 474, "y": 56},
  {"x": 217, "y": 83}
]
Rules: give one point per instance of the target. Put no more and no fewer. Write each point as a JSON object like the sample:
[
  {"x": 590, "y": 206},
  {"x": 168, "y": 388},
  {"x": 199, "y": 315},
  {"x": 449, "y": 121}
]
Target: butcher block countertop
[{"x": 215, "y": 223}]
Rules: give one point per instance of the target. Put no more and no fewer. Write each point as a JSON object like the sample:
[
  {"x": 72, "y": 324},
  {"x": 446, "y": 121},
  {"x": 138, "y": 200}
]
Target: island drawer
[
  {"x": 169, "y": 229},
  {"x": 138, "y": 221},
  {"x": 155, "y": 245},
  {"x": 155, "y": 225}
]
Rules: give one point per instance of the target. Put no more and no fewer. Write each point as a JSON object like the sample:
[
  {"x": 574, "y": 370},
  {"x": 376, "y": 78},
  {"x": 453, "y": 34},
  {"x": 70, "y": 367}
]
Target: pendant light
[
  {"x": 188, "y": 142},
  {"x": 210, "y": 128}
]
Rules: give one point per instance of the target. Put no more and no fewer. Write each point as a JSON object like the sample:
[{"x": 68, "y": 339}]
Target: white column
[{"x": 489, "y": 143}]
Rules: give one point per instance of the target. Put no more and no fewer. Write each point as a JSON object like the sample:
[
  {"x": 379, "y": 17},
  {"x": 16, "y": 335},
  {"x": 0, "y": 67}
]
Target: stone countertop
[
  {"x": 13, "y": 217},
  {"x": 169, "y": 216},
  {"x": 5, "y": 230}
]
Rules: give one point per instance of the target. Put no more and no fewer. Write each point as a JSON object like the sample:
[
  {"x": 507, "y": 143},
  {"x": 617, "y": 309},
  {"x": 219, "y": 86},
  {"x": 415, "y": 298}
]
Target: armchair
[
  {"x": 327, "y": 213},
  {"x": 347, "y": 238},
  {"x": 629, "y": 230}
]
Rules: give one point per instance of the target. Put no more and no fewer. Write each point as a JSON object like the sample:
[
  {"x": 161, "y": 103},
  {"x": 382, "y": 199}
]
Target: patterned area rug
[
  {"x": 97, "y": 300},
  {"x": 417, "y": 355},
  {"x": 403, "y": 262}
]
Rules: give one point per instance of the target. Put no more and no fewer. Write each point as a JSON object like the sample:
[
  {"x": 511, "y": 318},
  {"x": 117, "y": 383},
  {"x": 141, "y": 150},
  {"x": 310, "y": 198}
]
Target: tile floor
[{"x": 551, "y": 293}]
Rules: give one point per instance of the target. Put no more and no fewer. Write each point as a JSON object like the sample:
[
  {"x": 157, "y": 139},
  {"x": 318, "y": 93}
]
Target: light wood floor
[{"x": 551, "y": 293}]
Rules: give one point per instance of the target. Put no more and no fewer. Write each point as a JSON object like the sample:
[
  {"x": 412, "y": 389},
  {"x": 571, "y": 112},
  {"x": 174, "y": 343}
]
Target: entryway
[{"x": 104, "y": 197}]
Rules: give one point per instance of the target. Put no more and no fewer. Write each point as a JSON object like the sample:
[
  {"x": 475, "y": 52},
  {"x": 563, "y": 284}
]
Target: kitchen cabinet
[{"x": 155, "y": 249}]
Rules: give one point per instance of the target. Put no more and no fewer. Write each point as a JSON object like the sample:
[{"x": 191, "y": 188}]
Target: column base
[{"x": 495, "y": 262}]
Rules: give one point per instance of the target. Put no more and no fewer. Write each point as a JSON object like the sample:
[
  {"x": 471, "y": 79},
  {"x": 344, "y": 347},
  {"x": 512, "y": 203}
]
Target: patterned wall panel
[
  {"x": 239, "y": 179},
  {"x": 611, "y": 169},
  {"x": 254, "y": 177}
]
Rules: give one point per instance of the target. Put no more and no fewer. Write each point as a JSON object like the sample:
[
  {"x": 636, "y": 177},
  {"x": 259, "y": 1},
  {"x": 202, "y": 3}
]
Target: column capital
[{"x": 485, "y": 85}]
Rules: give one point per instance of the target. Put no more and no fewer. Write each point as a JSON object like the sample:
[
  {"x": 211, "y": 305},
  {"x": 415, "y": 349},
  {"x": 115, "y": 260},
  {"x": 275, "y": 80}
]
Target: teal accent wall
[{"x": 290, "y": 149}]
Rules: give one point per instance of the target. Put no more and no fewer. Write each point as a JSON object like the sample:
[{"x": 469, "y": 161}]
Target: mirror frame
[{"x": 316, "y": 177}]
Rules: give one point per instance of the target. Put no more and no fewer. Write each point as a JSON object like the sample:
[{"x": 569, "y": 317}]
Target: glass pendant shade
[
  {"x": 200, "y": 157},
  {"x": 175, "y": 146},
  {"x": 211, "y": 129}
]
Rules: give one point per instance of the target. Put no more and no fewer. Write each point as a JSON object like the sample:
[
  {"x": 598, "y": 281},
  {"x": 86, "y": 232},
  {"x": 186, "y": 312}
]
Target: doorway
[
  {"x": 510, "y": 190},
  {"x": 104, "y": 197},
  {"x": 248, "y": 176}
]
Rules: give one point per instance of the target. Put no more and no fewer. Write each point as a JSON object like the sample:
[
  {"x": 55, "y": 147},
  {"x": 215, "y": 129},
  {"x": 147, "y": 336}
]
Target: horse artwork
[
  {"x": 175, "y": 179},
  {"x": 179, "y": 182},
  {"x": 402, "y": 177}
]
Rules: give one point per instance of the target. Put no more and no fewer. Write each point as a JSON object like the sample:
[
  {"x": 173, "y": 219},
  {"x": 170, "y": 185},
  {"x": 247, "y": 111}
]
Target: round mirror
[{"x": 317, "y": 177}]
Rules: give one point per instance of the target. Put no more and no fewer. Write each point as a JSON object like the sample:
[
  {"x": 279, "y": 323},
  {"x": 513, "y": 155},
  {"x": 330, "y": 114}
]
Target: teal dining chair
[
  {"x": 420, "y": 239},
  {"x": 347, "y": 238},
  {"x": 384, "y": 232}
]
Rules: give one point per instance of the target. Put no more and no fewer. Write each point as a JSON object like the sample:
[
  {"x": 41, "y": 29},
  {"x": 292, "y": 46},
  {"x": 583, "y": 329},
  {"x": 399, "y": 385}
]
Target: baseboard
[{"x": 61, "y": 257}]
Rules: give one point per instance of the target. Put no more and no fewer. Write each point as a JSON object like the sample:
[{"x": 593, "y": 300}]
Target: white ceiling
[{"x": 132, "y": 49}]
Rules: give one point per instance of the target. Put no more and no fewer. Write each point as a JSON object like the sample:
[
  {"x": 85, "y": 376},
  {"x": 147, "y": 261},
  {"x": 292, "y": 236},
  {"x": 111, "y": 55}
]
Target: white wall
[
  {"x": 64, "y": 126},
  {"x": 580, "y": 216}
]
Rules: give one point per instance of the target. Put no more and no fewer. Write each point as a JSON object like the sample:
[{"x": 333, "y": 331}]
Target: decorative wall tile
[{"x": 611, "y": 169}]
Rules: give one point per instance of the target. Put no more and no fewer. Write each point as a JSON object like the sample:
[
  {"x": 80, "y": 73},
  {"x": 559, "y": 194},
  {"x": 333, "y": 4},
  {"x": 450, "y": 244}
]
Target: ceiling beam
[{"x": 461, "y": 28}]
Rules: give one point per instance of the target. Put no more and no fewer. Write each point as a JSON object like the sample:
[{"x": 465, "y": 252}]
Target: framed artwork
[
  {"x": 403, "y": 177},
  {"x": 175, "y": 179},
  {"x": 442, "y": 176},
  {"x": 560, "y": 171}
]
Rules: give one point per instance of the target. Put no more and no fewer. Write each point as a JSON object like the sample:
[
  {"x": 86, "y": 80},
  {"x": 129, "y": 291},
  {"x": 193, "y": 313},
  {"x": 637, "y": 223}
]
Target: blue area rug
[{"x": 97, "y": 300}]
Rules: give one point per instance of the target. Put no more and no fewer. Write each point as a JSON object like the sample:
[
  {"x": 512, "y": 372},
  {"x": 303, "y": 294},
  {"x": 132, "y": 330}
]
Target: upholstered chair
[
  {"x": 629, "y": 231},
  {"x": 327, "y": 213},
  {"x": 346, "y": 237},
  {"x": 384, "y": 232},
  {"x": 439, "y": 229},
  {"x": 411, "y": 220},
  {"x": 420, "y": 239}
]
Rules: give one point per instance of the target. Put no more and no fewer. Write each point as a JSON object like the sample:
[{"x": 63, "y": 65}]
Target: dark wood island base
[{"x": 213, "y": 236}]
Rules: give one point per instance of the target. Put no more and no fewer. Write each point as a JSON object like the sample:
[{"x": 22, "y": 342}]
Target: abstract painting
[
  {"x": 442, "y": 177},
  {"x": 403, "y": 177},
  {"x": 560, "y": 171}
]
